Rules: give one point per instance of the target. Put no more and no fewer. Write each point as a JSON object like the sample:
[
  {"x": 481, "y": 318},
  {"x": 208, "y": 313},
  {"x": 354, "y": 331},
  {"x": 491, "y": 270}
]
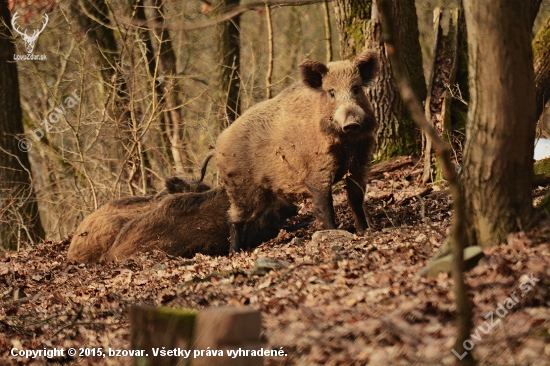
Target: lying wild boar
[
  {"x": 300, "y": 143},
  {"x": 97, "y": 232},
  {"x": 189, "y": 223}
]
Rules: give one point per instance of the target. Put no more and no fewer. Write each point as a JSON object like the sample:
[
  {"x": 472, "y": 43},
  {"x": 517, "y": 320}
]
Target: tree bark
[
  {"x": 168, "y": 62},
  {"x": 271, "y": 55},
  {"x": 541, "y": 56},
  {"x": 445, "y": 92},
  {"x": 229, "y": 55},
  {"x": 138, "y": 11},
  {"x": 18, "y": 207},
  {"x": 328, "y": 32},
  {"x": 534, "y": 10},
  {"x": 107, "y": 54},
  {"x": 359, "y": 27},
  {"x": 498, "y": 155}
]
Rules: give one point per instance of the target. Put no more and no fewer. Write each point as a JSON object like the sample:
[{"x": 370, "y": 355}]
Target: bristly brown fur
[
  {"x": 189, "y": 223},
  {"x": 97, "y": 232},
  {"x": 181, "y": 224},
  {"x": 300, "y": 143}
]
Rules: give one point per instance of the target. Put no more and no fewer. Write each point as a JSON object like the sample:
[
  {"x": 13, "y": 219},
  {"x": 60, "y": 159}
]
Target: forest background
[{"x": 153, "y": 83}]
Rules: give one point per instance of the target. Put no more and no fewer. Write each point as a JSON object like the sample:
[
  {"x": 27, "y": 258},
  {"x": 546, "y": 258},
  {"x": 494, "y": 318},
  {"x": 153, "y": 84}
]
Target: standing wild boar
[
  {"x": 300, "y": 143},
  {"x": 97, "y": 232},
  {"x": 189, "y": 223}
]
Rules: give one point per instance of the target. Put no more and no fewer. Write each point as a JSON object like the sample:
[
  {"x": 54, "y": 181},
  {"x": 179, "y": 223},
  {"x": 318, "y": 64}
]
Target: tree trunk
[
  {"x": 534, "y": 10},
  {"x": 19, "y": 217},
  {"x": 359, "y": 27},
  {"x": 168, "y": 62},
  {"x": 229, "y": 52},
  {"x": 293, "y": 35},
  {"x": 445, "y": 92},
  {"x": 498, "y": 155},
  {"x": 328, "y": 32},
  {"x": 103, "y": 38},
  {"x": 541, "y": 56},
  {"x": 270, "y": 56},
  {"x": 138, "y": 11}
]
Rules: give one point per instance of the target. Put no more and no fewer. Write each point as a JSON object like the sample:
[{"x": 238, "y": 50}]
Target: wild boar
[
  {"x": 97, "y": 232},
  {"x": 298, "y": 144},
  {"x": 189, "y": 223}
]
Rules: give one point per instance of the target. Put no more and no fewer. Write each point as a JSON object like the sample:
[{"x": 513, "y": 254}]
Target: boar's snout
[
  {"x": 350, "y": 118},
  {"x": 351, "y": 127}
]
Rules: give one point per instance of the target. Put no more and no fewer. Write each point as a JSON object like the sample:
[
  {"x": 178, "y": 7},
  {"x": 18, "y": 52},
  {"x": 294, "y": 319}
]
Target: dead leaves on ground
[{"x": 347, "y": 301}]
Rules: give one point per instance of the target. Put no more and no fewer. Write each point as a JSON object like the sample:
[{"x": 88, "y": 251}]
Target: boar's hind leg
[
  {"x": 324, "y": 209},
  {"x": 356, "y": 194}
]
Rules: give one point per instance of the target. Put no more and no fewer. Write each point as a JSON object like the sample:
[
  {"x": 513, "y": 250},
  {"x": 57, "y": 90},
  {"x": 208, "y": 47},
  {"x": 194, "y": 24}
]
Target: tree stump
[
  {"x": 163, "y": 329},
  {"x": 228, "y": 329}
]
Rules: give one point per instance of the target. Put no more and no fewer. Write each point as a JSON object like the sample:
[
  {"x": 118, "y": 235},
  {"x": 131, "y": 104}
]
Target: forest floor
[{"x": 352, "y": 301}]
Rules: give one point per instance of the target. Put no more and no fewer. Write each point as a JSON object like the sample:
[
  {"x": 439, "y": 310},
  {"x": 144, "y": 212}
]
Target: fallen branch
[
  {"x": 16, "y": 328},
  {"x": 391, "y": 165},
  {"x": 88, "y": 323},
  {"x": 75, "y": 318},
  {"x": 20, "y": 301},
  {"x": 425, "y": 218},
  {"x": 284, "y": 275}
]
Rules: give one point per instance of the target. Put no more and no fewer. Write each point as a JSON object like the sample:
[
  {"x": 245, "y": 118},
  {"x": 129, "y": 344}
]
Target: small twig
[
  {"x": 284, "y": 275},
  {"x": 455, "y": 92},
  {"x": 78, "y": 314},
  {"x": 87, "y": 323},
  {"x": 425, "y": 219},
  {"x": 17, "y": 328},
  {"x": 389, "y": 218},
  {"x": 370, "y": 249}
]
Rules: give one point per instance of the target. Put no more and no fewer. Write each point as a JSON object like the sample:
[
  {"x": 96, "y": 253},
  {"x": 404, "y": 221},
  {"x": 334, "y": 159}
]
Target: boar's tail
[{"x": 204, "y": 165}]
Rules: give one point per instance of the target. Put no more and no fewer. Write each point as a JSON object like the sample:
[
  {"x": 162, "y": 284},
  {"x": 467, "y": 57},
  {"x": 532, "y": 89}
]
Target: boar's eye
[
  {"x": 355, "y": 90},
  {"x": 331, "y": 93}
]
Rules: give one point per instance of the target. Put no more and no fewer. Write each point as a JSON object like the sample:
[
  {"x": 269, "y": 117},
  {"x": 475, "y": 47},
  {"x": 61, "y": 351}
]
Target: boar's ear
[
  {"x": 313, "y": 72},
  {"x": 367, "y": 63},
  {"x": 176, "y": 185}
]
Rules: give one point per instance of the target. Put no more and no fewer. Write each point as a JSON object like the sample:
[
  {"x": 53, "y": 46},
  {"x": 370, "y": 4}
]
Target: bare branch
[
  {"x": 270, "y": 61},
  {"x": 328, "y": 40},
  {"x": 228, "y": 13}
]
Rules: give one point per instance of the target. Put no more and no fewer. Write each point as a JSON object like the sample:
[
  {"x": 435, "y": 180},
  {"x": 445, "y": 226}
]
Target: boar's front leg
[
  {"x": 324, "y": 209},
  {"x": 236, "y": 227},
  {"x": 355, "y": 189},
  {"x": 236, "y": 234}
]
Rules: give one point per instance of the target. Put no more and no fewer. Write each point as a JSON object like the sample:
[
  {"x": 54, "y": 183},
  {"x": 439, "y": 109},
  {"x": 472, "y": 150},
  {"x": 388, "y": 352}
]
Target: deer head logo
[{"x": 30, "y": 41}]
